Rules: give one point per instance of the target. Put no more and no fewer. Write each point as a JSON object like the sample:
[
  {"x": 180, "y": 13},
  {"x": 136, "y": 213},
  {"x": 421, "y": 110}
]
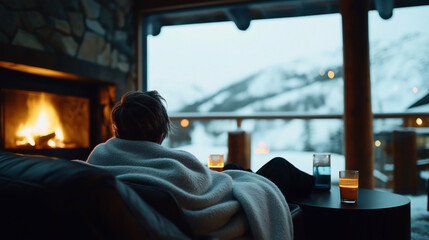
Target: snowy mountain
[
  {"x": 399, "y": 77},
  {"x": 400, "y": 73},
  {"x": 396, "y": 69}
]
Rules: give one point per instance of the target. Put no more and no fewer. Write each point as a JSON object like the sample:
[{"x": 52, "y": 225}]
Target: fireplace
[
  {"x": 63, "y": 64},
  {"x": 53, "y": 114},
  {"x": 41, "y": 120}
]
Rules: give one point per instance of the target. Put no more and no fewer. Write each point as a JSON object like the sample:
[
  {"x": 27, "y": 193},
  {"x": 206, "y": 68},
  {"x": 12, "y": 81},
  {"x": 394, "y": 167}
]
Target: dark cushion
[{"x": 43, "y": 198}]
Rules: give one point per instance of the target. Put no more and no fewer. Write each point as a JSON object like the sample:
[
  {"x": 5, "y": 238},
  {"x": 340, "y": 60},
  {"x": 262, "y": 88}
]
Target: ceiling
[{"x": 159, "y": 13}]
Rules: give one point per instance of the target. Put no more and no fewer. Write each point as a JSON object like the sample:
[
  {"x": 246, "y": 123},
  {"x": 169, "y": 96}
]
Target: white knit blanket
[{"x": 231, "y": 204}]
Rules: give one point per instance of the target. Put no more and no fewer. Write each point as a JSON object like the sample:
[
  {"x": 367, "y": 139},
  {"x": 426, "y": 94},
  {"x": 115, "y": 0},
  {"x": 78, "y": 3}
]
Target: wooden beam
[
  {"x": 359, "y": 152},
  {"x": 174, "y": 5}
]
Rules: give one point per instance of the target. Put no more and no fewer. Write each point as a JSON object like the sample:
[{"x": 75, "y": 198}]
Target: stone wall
[{"x": 96, "y": 31}]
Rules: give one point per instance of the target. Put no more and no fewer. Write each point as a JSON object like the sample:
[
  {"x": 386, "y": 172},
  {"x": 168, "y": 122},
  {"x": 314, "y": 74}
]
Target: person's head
[{"x": 141, "y": 116}]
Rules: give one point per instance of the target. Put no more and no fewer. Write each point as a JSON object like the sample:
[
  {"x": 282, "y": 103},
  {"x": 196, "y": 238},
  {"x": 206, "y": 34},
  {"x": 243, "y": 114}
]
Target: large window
[{"x": 288, "y": 65}]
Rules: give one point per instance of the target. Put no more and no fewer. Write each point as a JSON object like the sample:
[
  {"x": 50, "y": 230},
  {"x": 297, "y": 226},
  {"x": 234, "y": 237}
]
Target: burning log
[
  {"x": 43, "y": 140},
  {"x": 36, "y": 142}
]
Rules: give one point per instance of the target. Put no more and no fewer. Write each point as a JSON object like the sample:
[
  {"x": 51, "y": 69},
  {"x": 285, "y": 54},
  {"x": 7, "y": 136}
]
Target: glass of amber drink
[
  {"x": 216, "y": 162},
  {"x": 349, "y": 183}
]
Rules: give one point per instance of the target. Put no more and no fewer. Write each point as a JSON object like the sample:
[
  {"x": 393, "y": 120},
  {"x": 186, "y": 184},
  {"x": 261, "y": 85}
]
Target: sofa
[{"x": 50, "y": 198}]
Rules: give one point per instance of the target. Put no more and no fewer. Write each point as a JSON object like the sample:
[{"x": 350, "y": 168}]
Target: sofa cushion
[{"x": 46, "y": 198}]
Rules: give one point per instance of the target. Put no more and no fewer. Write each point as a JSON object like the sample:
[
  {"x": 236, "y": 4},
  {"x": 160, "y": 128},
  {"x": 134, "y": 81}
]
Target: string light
[
  {"x": 377, "y": 143},
  {"x": 184, "y": 122},
  {"x": 419, "y": 121}
]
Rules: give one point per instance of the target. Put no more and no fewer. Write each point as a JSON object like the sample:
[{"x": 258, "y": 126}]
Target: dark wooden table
[{"x": 376, "y": 215}]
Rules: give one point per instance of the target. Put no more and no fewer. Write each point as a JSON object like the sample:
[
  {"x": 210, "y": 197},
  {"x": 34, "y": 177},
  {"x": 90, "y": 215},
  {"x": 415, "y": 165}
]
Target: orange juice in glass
[
  {"x": 349, "y": 184},
  {"x": 216, "y": 162}
]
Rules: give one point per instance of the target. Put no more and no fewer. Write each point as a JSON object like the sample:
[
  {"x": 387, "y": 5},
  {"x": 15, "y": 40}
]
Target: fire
[{"x": 42, "y": 127}]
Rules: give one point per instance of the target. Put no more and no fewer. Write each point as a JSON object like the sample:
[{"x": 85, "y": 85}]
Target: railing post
[
  {"x": 239, "y": 120},
  {"x": 405, "y": 178},
  {"x": 239, "y": 148}
]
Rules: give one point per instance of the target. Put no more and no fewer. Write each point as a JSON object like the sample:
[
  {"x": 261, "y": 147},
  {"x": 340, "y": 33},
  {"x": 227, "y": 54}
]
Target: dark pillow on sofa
[{"x": 42, "y": 198}]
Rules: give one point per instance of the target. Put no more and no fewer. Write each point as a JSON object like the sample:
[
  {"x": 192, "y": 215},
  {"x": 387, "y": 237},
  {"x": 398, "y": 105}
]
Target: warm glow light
[
  {"x": 415, "y": 89},
  {"x": 184, "y": 123},
  {"x": 42, "y": 127},
  {"x": 262, "y": 148},
  {"x": 419, "y": 121},
  {"x": 38, "y": 70},
  {"x": 377, "y": 143},
  {"x": 331, "y": 74}
]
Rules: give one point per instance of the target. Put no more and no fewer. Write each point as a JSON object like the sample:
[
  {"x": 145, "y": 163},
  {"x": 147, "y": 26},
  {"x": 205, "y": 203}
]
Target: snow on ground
[{"x": 419, "y": 217}]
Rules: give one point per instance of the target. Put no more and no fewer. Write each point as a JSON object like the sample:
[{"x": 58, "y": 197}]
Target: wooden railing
[{"x": 280, "y": 115}]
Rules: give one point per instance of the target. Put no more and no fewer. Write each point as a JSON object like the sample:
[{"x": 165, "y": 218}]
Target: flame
[{"x": 42, "y": 127}]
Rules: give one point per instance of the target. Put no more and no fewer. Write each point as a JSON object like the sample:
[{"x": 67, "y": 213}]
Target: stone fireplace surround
[
  {"x": 84, "y": 48},
  {"x": 94, "y": 38}
]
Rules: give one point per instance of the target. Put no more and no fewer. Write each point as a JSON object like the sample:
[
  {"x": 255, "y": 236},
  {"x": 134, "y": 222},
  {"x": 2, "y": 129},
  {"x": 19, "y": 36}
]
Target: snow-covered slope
[{"x": 399, "y": 77}]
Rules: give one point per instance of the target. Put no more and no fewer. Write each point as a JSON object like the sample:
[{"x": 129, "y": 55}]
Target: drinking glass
[
  {"x": 322, "y": 171},
  {"x": 349, "y": 184},
  {"x": 216, "y": 162}
]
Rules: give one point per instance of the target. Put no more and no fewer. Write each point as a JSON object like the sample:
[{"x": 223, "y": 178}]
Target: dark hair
[{"x": 141, "y": 116}]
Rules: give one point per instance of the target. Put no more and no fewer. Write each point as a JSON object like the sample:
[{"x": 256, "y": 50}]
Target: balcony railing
[{"x": 280, "y": 115}]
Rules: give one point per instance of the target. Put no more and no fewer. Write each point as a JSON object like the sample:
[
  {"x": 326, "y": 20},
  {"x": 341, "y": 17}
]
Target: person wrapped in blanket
[{"x": 233, "y": 204}]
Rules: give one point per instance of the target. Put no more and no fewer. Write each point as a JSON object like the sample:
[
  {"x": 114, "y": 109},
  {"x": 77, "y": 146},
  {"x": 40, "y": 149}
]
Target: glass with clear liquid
[{"x": 322, "y": 171}]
